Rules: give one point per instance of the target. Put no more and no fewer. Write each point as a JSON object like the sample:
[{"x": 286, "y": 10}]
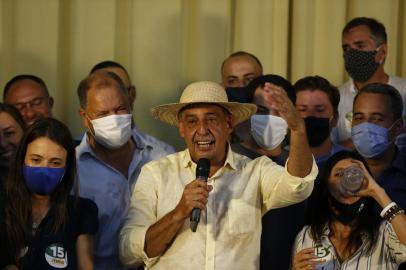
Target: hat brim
[{"x": 168, "y": 113}]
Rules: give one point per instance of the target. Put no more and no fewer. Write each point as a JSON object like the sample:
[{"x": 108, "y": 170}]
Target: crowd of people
[{"x": 273, "y": 155}]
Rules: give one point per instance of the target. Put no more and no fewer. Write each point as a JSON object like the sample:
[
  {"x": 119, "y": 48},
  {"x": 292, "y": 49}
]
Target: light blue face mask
[{"x": 369, "y": 139}]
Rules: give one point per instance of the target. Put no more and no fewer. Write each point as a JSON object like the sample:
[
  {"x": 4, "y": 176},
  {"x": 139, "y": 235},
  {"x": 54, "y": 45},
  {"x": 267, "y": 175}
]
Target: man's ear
[
  {"x": 83, "y": 118},
  {"x": 229, "y": 122},
  {"x": 334, "y": 120},
  {"x": 382, "y": 53},
  {"x": 51, "y": 102},
  {"x": 132, "y": 92},
  {"x": 397, "y": 129},
  {"x": 181, "y": 129}
]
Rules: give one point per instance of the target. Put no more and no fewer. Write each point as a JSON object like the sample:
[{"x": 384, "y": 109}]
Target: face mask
[
  {"x": 268, "y": 130},
  {"x": 360, "y": 65},
  {"x": 369, "y": 139},
  {"x": 112, "y": 131},
  {"x": 239, "y": 94},
  {"x": 42, "y": 180},
  {"x": 347, "y": 213},
  {"x": 317, "y": 130}
]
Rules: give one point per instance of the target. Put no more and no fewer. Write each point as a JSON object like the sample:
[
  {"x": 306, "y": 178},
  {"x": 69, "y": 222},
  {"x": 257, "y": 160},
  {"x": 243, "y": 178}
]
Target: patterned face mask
[{"x": 360, "y": 65}]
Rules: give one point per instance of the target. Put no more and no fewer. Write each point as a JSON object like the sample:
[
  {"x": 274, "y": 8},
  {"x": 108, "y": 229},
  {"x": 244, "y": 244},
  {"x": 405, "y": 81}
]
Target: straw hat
[{"x": 203, "y": 92}]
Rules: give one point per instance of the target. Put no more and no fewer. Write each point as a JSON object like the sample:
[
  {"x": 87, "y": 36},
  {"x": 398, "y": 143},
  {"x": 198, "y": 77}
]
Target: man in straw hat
[{"x": 238, "y": 191}]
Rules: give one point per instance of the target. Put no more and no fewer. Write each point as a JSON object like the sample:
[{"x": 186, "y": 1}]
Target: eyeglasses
[{"x": 34, "y": 103}]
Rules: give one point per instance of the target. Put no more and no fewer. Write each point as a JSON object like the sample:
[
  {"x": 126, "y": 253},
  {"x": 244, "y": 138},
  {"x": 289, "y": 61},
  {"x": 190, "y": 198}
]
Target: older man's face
[
  {"x": 206, "y": 129},
  {"x": 30, "y": 99},
  {"x": 104, "y": 102},
  {"x": 239, "y": 71}
]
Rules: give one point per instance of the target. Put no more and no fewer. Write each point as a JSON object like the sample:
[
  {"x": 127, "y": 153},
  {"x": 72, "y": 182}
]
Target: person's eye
[
  {"x": 231, "y": 82},
  {"x": 56, "y": 164},
  {"x": 377, "y": 120},
  {"x": 250, "y": 79},
  {"x": 9, "y": 133},
  {"x": 357, "y": 117},
  {"x": 35, "y": 160},
  {"x": 191, "y": 122},
  {"x": 212, "y": 120},
  {"x": 19, "y": 106},
  {"x": 36, "y": 102}
]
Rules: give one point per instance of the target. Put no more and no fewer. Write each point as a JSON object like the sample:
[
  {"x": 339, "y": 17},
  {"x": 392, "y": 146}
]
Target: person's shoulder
[
  {"x": 82, "y": 204},
  {"x": 153, "y": 142},
  {"x": 399, "y": 83},
  {"x": 166, "y": 161},
  {"x": 346, "y": 86}
]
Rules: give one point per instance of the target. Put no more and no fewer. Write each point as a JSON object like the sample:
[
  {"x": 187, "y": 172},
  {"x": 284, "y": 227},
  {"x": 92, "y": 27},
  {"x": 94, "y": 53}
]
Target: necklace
[{"x": 35, "y": 226}]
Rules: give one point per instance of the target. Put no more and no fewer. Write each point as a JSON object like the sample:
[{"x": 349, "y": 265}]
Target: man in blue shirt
[
  {"x": 376, "y": 122},
  {"x": 110, "y": 157}
]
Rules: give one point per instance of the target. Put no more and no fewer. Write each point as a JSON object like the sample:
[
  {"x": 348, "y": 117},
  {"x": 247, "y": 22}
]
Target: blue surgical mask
[
  {"x": 42, "y": 180},
  {"x": 369, "y": 139}
]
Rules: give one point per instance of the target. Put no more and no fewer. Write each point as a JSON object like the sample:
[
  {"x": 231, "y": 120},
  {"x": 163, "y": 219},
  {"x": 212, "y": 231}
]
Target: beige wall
[{"x": 166, "y": 44}]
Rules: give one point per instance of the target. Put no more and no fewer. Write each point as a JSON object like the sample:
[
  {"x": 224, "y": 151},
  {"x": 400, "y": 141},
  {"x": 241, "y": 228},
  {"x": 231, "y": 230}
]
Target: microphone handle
[{"x": 195, "y": 216}]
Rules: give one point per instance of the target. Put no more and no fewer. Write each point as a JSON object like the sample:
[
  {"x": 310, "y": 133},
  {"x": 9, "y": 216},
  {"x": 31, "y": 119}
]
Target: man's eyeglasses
[{"x": 34, "y": 103}]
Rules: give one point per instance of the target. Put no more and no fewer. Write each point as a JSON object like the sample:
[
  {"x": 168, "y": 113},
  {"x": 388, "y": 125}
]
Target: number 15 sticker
[{"x": 56, "y": 256}]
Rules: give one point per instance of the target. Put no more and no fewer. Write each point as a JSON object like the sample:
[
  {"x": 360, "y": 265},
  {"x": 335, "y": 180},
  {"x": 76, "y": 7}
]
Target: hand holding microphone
[
  {"x": 202, "y": 173},
  {"x": 195, "y": 195}
]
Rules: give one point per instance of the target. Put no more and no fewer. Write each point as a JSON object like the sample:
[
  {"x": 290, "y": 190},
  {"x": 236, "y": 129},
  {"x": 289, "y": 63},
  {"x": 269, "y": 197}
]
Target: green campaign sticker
[
  {"x": 56, "y": 255},
  {"x": 348, "y": 116},
  {"x": 321, "y": 251}
]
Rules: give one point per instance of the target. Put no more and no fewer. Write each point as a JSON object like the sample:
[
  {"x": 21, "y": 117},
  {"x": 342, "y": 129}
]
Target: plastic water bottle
[{"x": 352, "y": 179}]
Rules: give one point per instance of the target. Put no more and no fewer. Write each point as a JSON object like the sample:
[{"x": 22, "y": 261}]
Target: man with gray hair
[
  {"x": 237, "y": 193},
  {"x": 110, "y": 157},
  {"x": 365, "y": 47}
]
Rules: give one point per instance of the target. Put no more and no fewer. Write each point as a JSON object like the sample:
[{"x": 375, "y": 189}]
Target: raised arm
[
  {"x": 372, "y": 189},
  {"x": 300, "y": 158}
]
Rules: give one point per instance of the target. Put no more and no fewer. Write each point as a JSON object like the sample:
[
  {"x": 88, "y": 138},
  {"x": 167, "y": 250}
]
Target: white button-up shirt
[
  {"x": 228, "y": 236},
  {"x": 387, "y": 252}
]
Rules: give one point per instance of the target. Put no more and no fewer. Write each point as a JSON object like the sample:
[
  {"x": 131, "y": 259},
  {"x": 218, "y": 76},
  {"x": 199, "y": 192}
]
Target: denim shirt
[{"x": 111, "y": 191}]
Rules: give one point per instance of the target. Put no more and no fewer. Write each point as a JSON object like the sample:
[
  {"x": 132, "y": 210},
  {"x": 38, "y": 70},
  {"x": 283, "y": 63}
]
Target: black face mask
[
  {"x": 347, "y": 213},
  {"x": 360, "y": 65},
  {"x": 239, "y": 94},
  {"x": 317, "y": 130}
]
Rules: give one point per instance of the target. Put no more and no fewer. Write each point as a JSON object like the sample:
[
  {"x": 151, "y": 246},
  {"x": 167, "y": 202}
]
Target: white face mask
[
  {"x": 112, "y": 131},
  {"x": 268, "y": 130}
]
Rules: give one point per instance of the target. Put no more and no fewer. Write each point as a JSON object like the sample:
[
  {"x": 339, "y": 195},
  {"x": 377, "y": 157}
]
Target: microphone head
[{"x": 203, "y": 168}]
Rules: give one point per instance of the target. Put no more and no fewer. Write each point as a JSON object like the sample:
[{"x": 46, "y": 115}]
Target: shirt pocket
[{"x": 241, "y": 218}]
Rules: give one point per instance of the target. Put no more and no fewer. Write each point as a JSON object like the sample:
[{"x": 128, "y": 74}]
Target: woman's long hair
[
  {"x": 18, "y": 207},
  {"x": 15, "y": 114},
  {"x": 368, "y": 220}
]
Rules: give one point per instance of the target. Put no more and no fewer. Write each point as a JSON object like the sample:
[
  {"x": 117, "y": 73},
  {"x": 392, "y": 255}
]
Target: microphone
[{"x": 202, "y": 173}]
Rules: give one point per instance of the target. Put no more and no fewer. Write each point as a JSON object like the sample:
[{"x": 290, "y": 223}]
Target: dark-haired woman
[
  {"x": 345, "y": 231},
  {"x": 12, "y": 128},
  {"x": 42, "y": 225}
]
